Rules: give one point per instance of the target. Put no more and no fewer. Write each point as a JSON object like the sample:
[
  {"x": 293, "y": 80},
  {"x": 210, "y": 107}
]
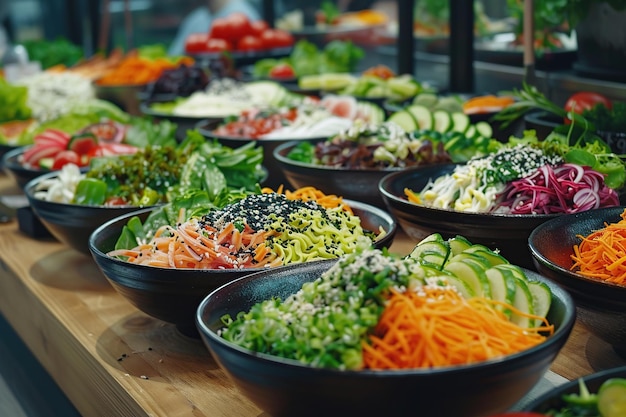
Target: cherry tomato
[
  {"x": 217, "y": 45},
  {"x": 258, "y": 27},
  {"x": 276, "y": 38},
  {"x": 196, "y": 43},
  {"x": 282, "y": 71},
  {"x": 65, "y": 157},
  {"x": 250, "y": 43},
  {"x": 585, "y": 100},
  {"x": 115, "y": 201}
]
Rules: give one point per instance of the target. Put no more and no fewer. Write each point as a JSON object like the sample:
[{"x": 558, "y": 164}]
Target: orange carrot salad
[
  {"x": 312, "y": 194},
  {"x": 437, "y": 327},
  {"x": 602, "y": 253},
  {"x": 187, "y": 247}
]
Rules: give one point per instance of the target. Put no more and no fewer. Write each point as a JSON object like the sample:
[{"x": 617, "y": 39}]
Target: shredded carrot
[
  {"x": 602, "y": 253},
  {"x": 437, "y": 327},
  {"x": 185, "y": 247},
  {"x": 136, "y": 70},
  {"x": 486, "y": 104},
  {"x": 310, "y": 193}
]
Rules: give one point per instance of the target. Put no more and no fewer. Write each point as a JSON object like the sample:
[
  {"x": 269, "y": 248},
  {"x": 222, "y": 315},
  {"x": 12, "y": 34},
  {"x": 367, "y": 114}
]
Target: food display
[{"x": 401, "y": 311}]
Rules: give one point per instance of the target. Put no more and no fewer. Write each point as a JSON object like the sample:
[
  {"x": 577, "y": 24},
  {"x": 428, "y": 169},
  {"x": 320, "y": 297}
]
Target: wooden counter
[{"x": 112, "y": 360}]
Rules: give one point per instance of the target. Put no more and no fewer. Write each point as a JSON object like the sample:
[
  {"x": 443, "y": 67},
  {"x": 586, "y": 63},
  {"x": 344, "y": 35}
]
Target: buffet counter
[{"x": 111, "y": 359}]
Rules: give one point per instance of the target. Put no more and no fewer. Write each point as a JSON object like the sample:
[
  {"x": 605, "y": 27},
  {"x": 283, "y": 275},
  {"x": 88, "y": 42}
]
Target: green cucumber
[
  {"x": 484, "y": 129},
  {"x": 490, "y": 256},
  {"x": 458, "y": 244},
  {"x": 503, "y": 287},
  {"x": 542, "y": 298},
  {"x": 473, "y": 273},
  {"x": 612, "y": 398},
  {"x": 460, "y": 122},
  {"x": 523, "y": 301},
  {"x": 461, "y": 285},
  {"x": 422, "y": 116},
  {"x": 517, "y": 271},
  {"x": 442, "y": 121},
  {"x": 405, "y": 120}
]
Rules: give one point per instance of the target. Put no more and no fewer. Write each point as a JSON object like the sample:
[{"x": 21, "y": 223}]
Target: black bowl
[
  {"x": 355, "y": 184},
  {"x": 183, "y": 123},
  {"x": 601, "y": 305},
  {"x": 21, "y": 174},
  {"x": 71, "y": 224},
  {"x": 284, "y": 387},
  {"x": 506, "y": 232},
  {"x": 4, "y": 149},
  {"x": 172, "y": 295},
  {"x": 276, "y": 177},
  {"x": 553, "y": 400}
]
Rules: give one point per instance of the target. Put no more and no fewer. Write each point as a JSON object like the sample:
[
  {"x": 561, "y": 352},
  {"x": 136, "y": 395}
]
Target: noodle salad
[
  {"x": 259, "y": 230},
  {"x": 520, "y": 179}
]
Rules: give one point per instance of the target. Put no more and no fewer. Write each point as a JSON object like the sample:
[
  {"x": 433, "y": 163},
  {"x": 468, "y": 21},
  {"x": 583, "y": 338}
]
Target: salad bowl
[
  {"x": 70, "y": 224},
  {"x": 172, "y": 295},
  {"x": 355, "y": 184},
  {"x": 506, "y": 232},
  {"x": 21, "y": 174},
  {"x": 285, "y": 387},
  {"x": 601, "y": 305}
]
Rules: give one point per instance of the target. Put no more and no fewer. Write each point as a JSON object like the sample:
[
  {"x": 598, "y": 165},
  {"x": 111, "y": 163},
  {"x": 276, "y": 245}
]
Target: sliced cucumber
[
  {"x": 484, "y": 129},
  {"x": 492, "y": 257},
  {"x": 374, "y": 113},
  {"x": 523, "y": 301},
  {"x": 433, "y": 259},
  {"x": 503, "y": 287},
  {"x": 473, "y": 273},
  {"x": 422, "y": 116},
  {"x": 405, "y": 120},
  {"x": 612, "y": 398},
  {"x": 472, "y": 256},
  {"x": 428, "y": 100},
  {"x": 542, "y": 298},
  {"x": 274, "y": 92},
  {"x": 442, "y": 121},
  {"x": 461, "y": 286},
  {"x": 458, "y": 244},
  {"x": 460, "y": 122},
  {"x": 517, "y": 271}
]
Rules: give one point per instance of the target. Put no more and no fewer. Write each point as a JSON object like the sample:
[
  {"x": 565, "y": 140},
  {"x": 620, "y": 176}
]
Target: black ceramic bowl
[
  {"x": 4, "y": 149},
  {"x": 172, "y": 295},
  {"x": 21, "y": 174},
  {"x": 276, "y": 177},
  {"x": 355, "y": 184},
  {"x": 506, "y": 232},
  {"x": 71, "y": 224},
  {"x": 284, "y": 387},
  {"x": 601, "y": 306},
  {"x": 553, "y": 400}
]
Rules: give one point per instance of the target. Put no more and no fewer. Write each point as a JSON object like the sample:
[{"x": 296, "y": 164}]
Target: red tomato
[
  {"x": 115, "y": 201},
  {"x": 276, "y": 38},
  {"x": 196, "y": 43},
  {"x": 282, "y": 71},
  {"x": 217, "y": 45},
  {"x": 259, "y": 26},
  {"x": 65, "y": 157},
  {"x": 250, "y": 43},
  {"x": 232, "y": 27},
  {"x": 585, "y": 100}
]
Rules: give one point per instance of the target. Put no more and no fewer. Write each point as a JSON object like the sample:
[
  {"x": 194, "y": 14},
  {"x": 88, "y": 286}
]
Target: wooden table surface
[{"x": 111, "y": 359}]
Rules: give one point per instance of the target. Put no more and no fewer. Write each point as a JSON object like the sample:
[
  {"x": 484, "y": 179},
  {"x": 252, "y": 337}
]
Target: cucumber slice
[
  {"x": 517, "y": 271},
  {"x": 405, "y": 120},
  {"x": 460, "y": 285},
  {"x": 458, "y": 244},
  {"x": 428, "y": 100},
  {"x": 442, "y": 121},
  {"x": 472, "y": 256},
  {"x": 502, "y": 284},
  {"x": 473, "y": 273},
  {"x": 490, "y": 256},
  {"x": 460, "y": 122},
  {"x": 370, "y": 111},
  {"x": 484, "y": 129},
  {"x": 274, "y": 92},
  {"x": 542, "y": 298},
  {"x": 471, "y": 133},
  {"x": 422, "y": 116},
  {"x": 612, "y": 398},
  {"x": 523, "y": 301},
  {"x": 433, "y": 259}
]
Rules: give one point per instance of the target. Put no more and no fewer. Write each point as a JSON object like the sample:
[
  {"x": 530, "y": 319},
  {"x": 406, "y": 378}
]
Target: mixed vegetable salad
[
  {"x": 372, "y": 310},
  {"x": 527, "y": 176}
]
